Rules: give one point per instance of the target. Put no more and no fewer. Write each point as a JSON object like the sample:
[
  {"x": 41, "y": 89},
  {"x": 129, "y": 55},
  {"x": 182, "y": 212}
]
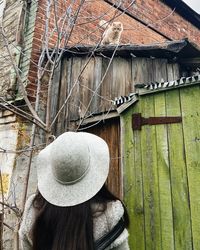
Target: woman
[{"x": 72, "y": 209}]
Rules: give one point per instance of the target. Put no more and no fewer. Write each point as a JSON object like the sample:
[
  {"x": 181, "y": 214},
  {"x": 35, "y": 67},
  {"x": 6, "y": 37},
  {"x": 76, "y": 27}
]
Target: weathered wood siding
[
  {"x": 162, "y": 169},
  {"x": 89, "y": 86},
  {"x": 18, "y": 20},
  {"x": 10, "y": 15},
  {"x": 28, "y": 34}
]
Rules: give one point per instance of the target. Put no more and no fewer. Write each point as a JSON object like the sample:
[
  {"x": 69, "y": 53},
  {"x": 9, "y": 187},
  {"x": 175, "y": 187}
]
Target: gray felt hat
[{"x": 73, "y": 168}]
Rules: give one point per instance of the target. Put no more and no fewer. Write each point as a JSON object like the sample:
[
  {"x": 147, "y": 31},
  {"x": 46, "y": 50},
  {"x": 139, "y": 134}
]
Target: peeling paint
[
  {"x": 5, "y": 179},
  {"x": 8, "y": 145}
]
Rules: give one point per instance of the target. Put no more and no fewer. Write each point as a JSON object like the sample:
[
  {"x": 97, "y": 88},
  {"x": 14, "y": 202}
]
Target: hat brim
[{"x": 73, "y": 194}]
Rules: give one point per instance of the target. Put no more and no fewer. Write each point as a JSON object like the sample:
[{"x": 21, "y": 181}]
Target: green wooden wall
[
  {"x": 29, "y": 28},
  {"x": 162, "y": 172}
]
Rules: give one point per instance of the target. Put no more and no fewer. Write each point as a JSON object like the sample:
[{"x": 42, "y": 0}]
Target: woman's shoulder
[
  {"x": 28, "y": 217},
  {"x": 106, "y": 220},
  {"x": 111, "y": 213},
  {"x": 114, "y": 212}
]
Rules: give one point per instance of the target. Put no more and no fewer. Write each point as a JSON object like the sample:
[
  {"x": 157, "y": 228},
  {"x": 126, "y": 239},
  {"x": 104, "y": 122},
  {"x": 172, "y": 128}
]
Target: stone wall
[
  {"x": 14, "y": 161},
  {"x": 9, "y": 129}
]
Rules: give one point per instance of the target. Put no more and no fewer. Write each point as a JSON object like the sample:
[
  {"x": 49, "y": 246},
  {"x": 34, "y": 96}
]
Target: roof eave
[{"x": 185, "y": 11}]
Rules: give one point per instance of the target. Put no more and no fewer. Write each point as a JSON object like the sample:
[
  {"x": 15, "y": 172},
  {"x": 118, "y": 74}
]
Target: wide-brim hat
[{"x": 73, "y": 168}]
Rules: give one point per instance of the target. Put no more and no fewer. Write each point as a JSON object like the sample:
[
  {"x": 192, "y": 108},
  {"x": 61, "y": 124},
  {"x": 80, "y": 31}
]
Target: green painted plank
[
  {"x": 129, "y": 178},
  {"x": 28, "y": 37},
  {"x": 29, "y": 43},
  {"x": 30, "y": 30},
  {"x": 150, "y": 178},
  {"x": 133, "y": 176},
  {"x": 190, "y": 103},
  {"x": 179, "y": 185},
  {"x": 164, "y": 176},
  {"x": 139, "y": 193},
  {"x": 166, "y": 219},
  {"x": 13, "y": 75},
  {"x": 133, "y": 183},
  {"x": 30, "y": 23},
  {"x": 27, "y": 50},
  {"x": 25, "y": 63}
]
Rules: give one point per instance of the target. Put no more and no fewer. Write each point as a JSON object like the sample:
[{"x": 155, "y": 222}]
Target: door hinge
[{"x": 138, "y": 121}]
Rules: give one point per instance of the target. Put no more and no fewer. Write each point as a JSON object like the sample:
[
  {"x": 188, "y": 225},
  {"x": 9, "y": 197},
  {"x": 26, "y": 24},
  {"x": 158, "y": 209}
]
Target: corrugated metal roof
[
  {"x": 162, "y": 86},
  {"x": 152, "y": 87}
]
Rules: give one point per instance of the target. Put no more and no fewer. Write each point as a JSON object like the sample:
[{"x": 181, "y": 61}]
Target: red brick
[{"x": 154, "y": 13}]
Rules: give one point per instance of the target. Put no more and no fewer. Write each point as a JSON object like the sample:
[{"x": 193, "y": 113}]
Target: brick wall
[
  {"x": 87, "y": 30},
  {"x": 162, "y": 23},
  {"x": 164, "y": 19}
]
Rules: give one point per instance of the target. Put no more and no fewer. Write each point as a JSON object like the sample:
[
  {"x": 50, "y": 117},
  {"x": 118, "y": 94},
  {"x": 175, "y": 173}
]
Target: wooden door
[
  {"x": 110, "y": 132},
  {"x": 162, "y": 172}
]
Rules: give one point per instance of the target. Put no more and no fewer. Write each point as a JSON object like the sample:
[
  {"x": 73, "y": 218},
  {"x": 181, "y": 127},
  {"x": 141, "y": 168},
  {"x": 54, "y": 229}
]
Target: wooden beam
[
  {"x": 96, "y": 118},
  {"x": 195, "y": 60}
]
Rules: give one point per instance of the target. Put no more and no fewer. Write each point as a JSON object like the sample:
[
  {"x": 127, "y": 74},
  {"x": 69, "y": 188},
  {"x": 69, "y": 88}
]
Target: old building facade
[{"x": 24, "y": 23}]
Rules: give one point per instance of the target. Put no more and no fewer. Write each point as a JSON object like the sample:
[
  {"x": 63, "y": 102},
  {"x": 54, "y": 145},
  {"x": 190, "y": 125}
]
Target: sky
[{"x": 194, "y": 4}]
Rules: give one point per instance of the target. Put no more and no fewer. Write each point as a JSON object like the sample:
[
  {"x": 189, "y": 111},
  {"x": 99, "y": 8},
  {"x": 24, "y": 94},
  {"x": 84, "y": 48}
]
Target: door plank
[
  {"x": 133, "y": 179},
  {"x": 178, "y": 172},
  {"x": 165, "y": 201},
  {"x": 190, "y": 103}
]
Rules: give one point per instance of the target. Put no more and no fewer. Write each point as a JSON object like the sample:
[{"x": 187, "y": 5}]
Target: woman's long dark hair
[{"x": 67, "y": 228}]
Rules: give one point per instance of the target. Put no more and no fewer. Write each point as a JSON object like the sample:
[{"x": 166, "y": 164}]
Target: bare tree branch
[{"x": 19, "y": 78}]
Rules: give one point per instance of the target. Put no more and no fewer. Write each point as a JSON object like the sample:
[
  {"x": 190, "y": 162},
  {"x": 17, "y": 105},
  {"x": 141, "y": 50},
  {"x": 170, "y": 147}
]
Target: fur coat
[{"x": 103, "y": 223}]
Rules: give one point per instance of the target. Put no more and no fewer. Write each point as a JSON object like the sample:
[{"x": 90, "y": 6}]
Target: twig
[
  {"x": 23, "y": 116},
  {"x": 19, "y": 110},
  {"x": 14, "y": 209},
  {"x": 36, "y": 147},
  {"x": 26, "y": 178},
  {"x": 6, "y": 225}
]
